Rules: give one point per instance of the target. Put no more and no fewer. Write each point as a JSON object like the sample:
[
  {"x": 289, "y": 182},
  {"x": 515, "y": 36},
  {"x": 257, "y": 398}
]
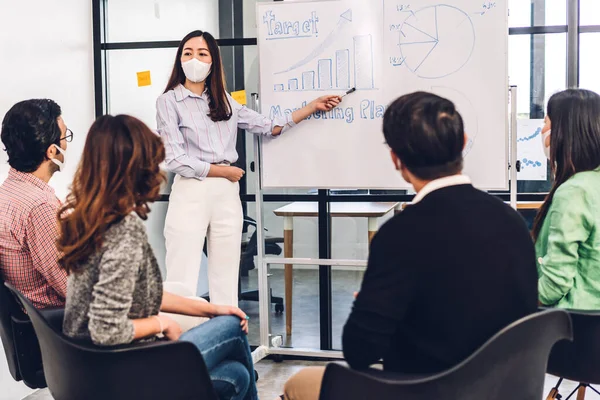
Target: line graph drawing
[
  {"x": 435, "y": 41},
  {"x": 345, "y": 18},
  {"x": 530, "y": 150},
  {"x": 535, "y": 134}
]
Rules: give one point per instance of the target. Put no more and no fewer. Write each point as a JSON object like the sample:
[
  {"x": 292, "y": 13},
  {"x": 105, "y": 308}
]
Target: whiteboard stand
[
  {"x": 513, "y": 164},
  {"x": 264, "y": 301},
  {"x": 269, "y": 343}
]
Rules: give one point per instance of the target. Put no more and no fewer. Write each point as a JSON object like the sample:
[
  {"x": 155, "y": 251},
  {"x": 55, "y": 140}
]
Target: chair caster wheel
[
  {"x": 279, "y": 308},
  {"x": 278, "y": 358}
]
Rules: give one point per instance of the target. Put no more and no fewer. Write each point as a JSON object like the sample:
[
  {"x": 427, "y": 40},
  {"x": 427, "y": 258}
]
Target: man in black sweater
[{"x": 446, "y": 274}]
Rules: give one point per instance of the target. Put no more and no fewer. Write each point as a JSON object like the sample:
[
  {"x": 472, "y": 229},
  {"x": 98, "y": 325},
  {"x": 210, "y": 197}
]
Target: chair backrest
[
  {"x": 579, "y": 360},
  {"x": 8, "y": 308},
  {"x": 78, "y": 370},
  {"x": 20, "y": 342},
  {"x": 511, "y": 365}
]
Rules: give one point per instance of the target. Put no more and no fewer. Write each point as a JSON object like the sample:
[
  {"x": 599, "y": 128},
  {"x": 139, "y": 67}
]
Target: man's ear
[
  {"x": 51, "y": 152},
  {"x": 466, "y": 140},
  {"x": 396, "y": 160}
]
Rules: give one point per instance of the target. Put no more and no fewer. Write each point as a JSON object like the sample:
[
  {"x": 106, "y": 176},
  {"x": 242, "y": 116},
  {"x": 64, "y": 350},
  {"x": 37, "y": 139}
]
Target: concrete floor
[{"x": 305, "y": 322}]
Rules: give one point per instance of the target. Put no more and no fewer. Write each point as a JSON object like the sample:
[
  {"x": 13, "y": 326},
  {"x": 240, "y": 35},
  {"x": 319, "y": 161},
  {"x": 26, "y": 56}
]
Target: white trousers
[{"x": 204, "y": 209}]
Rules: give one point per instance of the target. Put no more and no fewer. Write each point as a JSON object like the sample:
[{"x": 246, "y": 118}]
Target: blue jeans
[{"x": 227, "y": 356}]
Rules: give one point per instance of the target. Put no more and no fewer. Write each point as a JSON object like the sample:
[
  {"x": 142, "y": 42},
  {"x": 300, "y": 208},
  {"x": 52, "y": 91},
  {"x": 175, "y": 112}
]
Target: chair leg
[
  {"x": 581, "y": 391},
  {"x": 554, "y": 392},
  {"x": 576, "y": 390}
]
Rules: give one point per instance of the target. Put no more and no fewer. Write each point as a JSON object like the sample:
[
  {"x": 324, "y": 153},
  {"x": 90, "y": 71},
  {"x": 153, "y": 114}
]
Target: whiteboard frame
[
  {"x": 268, "y": 343},
  {"x": 507, "y": 145}
]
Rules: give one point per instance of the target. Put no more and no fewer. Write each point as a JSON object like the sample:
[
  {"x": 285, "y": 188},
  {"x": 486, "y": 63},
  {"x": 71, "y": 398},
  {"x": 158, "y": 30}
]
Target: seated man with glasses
[{"x": 35, "y": 138}]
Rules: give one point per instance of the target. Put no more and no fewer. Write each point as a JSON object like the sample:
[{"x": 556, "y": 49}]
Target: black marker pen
[{"x": 348, "y": 92}]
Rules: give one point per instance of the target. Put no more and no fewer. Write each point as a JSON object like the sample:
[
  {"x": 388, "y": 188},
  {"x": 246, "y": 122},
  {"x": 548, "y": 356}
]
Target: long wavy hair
[
  {"x": 119, "y": 173},
  {"x": 574, "y": 142},
  {"x": 220, "y": 109}
]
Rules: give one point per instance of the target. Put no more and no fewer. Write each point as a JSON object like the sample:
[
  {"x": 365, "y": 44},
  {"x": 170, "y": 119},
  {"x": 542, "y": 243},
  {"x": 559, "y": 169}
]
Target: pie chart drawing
[{"x": 436, "y": 41}]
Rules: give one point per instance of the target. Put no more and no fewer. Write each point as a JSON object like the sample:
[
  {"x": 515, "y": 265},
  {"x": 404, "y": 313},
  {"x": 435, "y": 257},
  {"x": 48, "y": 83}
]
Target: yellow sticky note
[
  {"x": 144, "y": 78},
  {"x": 239, "y": 96}
]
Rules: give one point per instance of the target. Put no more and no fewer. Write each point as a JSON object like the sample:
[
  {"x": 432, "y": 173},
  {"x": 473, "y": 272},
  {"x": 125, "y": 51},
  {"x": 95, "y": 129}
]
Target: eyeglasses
[{"x": 69, "y": 136}]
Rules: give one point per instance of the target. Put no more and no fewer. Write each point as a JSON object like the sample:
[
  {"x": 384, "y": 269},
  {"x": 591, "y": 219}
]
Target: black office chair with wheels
[
  {"x": 157, "y": 370},
  {"x": 511, "y": 365},
  {"x": 578, "y": 360},
  {"x": 20, "y": 342}
]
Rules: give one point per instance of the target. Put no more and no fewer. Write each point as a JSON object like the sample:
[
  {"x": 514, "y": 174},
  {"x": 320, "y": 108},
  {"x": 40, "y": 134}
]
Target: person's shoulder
[
  {"x": 395, "y": 227},
  {"x": 31, "y": 200},
  {"x": 497, "y": 205},
  {"x": 580, "y": 184},
  {"x": 168, "y": 96},
  {"x": 130, "y": 226}
]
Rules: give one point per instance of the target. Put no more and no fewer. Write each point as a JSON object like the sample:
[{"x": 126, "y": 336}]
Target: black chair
[
  {"x": 578, "y": 360},
  {"x": 511, "y": 365},
  {"x": 78, "y": 370},
  {"x": 249, "y": 250},
  {"x": 20, "y": 342}
]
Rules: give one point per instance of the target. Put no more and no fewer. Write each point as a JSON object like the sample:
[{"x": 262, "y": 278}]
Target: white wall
[{"x": 46, "y": 52}]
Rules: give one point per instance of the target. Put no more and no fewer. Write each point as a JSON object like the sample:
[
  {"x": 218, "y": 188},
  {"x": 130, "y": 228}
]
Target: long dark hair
[
  {"x": 220, "y": 109},
  {"x": 575, "y": 140},
  {"x": 118, "y": 174}
]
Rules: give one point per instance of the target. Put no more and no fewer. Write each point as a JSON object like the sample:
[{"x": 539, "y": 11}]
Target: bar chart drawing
[
  {"x": 344, "y": 70},
  {"x": 325, "y": 71},
  {"x": 308, "y": 80},
  {"x": 363, "y": 62}
]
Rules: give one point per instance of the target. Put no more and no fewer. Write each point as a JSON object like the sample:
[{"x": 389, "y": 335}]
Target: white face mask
[
  {"x": 61, "y": 164},
  {"x": 196, "y": 70},
  {"x": 546, "y": 149}
]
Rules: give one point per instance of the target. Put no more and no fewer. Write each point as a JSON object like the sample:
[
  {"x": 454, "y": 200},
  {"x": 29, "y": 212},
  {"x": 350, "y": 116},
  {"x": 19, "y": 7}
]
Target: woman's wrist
[
  {"x": 161, "y": 327},
  {"x": 217, "y": 171},
  {"x": 208, "y": 309}
]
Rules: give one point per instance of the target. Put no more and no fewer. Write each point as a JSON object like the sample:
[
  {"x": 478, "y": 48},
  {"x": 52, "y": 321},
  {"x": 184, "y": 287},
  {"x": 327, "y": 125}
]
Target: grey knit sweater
[{"x": 119, "y": 283}]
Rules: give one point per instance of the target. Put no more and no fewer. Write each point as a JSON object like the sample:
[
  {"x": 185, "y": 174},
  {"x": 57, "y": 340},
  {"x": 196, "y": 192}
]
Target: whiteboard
[{"x": 385, "y": 49}]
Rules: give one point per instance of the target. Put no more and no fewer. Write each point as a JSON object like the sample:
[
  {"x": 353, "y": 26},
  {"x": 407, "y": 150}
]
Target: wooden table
[
  {"x": 370, "y": 210},
  {"x": 521, "y": 205},
  {"x": 529, "y": 205}
]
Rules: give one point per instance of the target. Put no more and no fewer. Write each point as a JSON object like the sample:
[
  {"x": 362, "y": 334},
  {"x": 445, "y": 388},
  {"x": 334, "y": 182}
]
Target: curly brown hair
[{"x": 119, "y": 173}]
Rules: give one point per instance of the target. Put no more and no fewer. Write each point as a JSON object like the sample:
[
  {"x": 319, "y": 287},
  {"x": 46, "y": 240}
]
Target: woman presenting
[{"x": 198, "y": 121}]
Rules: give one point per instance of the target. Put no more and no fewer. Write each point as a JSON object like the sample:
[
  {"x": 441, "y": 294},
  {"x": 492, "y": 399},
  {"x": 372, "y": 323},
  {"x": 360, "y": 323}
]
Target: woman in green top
[{"x": 567, "y": 227}]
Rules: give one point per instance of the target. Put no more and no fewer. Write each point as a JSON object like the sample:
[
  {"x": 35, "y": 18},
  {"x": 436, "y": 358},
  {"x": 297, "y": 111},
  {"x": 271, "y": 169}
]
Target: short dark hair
[
  {"x": 28, "y": 129},
  {"x": 426, "y": 132}
]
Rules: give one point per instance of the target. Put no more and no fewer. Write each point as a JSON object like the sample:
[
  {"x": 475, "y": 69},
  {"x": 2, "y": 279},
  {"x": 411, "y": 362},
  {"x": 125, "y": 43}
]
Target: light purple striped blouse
[{"x": 193, "y": 141}]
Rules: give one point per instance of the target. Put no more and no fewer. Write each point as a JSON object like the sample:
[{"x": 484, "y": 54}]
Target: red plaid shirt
[{"x": 28, "y": 233}]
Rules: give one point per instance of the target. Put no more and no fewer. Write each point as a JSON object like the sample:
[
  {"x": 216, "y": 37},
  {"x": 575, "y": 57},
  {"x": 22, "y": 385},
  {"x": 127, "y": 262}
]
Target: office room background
[{"x": 92, "y": 53}]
